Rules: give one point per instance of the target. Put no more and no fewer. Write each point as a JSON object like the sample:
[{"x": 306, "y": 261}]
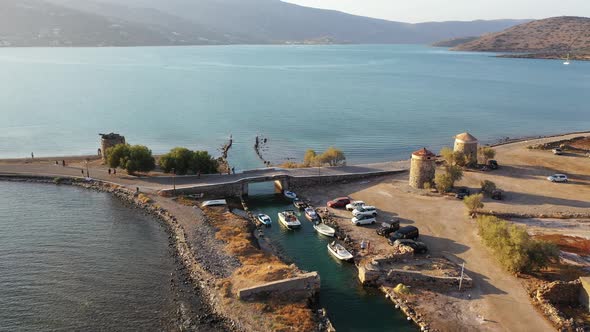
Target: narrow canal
[{"x": 350, "y": 306}]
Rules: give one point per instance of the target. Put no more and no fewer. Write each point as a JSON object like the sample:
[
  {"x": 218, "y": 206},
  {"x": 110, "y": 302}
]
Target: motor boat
[
  {"x": 264, "y": 219},
  {"x": 290, "y": 194},
  {"x": 338, "y": 251},
  {"x": 310, "y": 214},
  {"x": 299, "y": 203},
  {"x": 324, "y": 229},
  {"x": 289, "y": 219}
]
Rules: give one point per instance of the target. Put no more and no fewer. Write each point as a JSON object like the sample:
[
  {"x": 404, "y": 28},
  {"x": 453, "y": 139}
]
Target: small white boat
[
  {"x": 264, "y": 219},
  {"x": 299, "y": 203},
  {"x": 290, "y": 194},
  {"x": 310, "y": 214},
  {"x": 567, "y": 60},
  {"x": 324, "y": 229},
  {"x": 338, "y": 251},
  {"x": 214, "y": 202},
  {"x": 289, "y": 219}
]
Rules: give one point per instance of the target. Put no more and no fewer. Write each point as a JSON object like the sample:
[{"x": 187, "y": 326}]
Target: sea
[
  {"x": 374, "y": 102},
  {"x": 71, "y": 259}
]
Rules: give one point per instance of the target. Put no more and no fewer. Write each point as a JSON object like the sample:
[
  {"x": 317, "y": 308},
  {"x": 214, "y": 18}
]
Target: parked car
[
  {"x": 497, "y": 195},
  {"x": 557, "y": 178},
  {"x": 462, "y": 192},
  {"x": 354, "y": 204},
  {"x": 406, "y": 232},
  {"x": 339, "y": 202},
  {"x": 557, "y": 151},
  {"x": 388, "y": 228},
  {"x": 419, "y": 247},
  {"x": 364, "y": 220},
  {"x": 365, "y": 210},
  {"x": 492, "y": 164}
]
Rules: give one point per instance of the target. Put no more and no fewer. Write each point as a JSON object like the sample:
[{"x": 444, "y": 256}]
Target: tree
[
  {"x": 460, "y": 159},
  {"x": 140, "y": 159},
  {"x": 488, "y": 187},
  {"x": 332, "y": 157},
  {"x": 443, "y": 182},
  {"x": 309, "y": 159},
  {"x": 179, "y": 159},
  {"x": 448, "y": 155},
  {"x": 202, "y": 161},
  {"x": 486, "y": 153},
  {"x": 116, "y": 155},
  {"x": 473, "y": 203},
  {"x": 455, "y": 173}
]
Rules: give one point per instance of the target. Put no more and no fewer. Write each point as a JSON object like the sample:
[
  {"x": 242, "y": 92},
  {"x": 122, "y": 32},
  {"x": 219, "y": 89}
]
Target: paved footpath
[{"x": 153, "y": 184}]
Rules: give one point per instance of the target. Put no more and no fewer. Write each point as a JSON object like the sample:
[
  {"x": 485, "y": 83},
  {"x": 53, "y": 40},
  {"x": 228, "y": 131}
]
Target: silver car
[{"x": 557, "y": 178}]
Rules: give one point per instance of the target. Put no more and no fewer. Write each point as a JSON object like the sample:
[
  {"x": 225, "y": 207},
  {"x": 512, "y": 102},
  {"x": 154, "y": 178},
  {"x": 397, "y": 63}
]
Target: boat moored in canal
[
  {"x": 324, "y": 229},
  {"x": 310, "y": 214},
  {"x": 290, "y": 194},
  {"x": 338, "y": 251},
  {"x": 289, "y": 219},
  {"x": 264, "y": 219}
]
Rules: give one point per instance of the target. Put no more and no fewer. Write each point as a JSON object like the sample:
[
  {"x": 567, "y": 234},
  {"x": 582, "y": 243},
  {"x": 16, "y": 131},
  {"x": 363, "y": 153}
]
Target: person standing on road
[
  {"x": 233, "y": 170},
  {"x": 32, "y": 156},
  {"x": 109, "y": 171}
]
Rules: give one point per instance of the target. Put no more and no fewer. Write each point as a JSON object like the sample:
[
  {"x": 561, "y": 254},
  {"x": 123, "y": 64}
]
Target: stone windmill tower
[
  {"x": 108, "y": 141},
  {"x": 467, "y": 144},
  {"x": 422, "y": 168}
]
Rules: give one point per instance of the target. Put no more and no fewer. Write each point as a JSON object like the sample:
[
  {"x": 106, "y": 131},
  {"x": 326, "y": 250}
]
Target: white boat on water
[
  {"x": 324, "y": 229},
  {"x": 567, "y": 60},
  {"x": 264, "y": 219},
  {"x": 289, "y": 219},
  {"x": 311, "y": 214},
  {"x": 338, "y": 251},
  {"x": 290, "y": 194}
]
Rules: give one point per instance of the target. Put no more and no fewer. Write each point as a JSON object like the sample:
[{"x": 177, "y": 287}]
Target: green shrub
[
  {"x": 488, "y": 187},
  {"x": 443, "y": 183},
  {"x": 513, "y": 246},
  {"x": 133, "y": 158},
  {"x": 183, "y": 160},
  {"x": 473, "y": 203},
  {"x": 486, "y": 153}
]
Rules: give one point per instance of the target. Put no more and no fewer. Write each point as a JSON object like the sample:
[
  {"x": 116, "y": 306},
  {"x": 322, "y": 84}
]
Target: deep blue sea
[{"x": 375, "y": 102}]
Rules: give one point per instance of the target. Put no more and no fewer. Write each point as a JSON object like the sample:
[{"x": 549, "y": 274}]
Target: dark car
[
  {"x": 406, "y": 232},
  {"x": 339, "y": 202},
  {"x": 497, "y": 195},
  {"x": 492, "y": 164},
  {"x": 388, "y": 228},
  {"x": 419, "y": 247},
  {"x": 462, "y": 193}
]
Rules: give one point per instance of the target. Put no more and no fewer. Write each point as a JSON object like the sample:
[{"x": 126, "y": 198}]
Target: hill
[
  {"x": 194, "y": 22},
  {"x": 39, "y": 23},
  {"x": 557, "y": 35},
  {"x": 454, "y": 42}
]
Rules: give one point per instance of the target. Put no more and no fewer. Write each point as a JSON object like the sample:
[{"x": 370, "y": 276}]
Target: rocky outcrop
[{"x": 549, "y": 296}]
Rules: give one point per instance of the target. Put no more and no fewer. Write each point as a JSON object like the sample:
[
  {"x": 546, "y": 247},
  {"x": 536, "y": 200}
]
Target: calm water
[
  {"x": 75, "y": 260},
  {"x": 375, "y": 102},
  {"x": 351, "y": 308}
]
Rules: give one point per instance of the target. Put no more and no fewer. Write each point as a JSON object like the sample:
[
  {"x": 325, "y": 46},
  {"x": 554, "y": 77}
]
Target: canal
[{"x": 350, "y": 306}]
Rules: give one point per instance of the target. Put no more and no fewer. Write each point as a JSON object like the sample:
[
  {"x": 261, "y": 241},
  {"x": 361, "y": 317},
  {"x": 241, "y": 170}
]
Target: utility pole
[
  {"x": 462, "y": 271},
  {"x": 174, "y": 181}
]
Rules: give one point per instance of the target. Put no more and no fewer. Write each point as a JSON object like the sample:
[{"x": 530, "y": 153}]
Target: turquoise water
[
  {"x": 375, "y": 102},
  {"x": 351, "y": 308},
  {"x": 76, "y": 260}
]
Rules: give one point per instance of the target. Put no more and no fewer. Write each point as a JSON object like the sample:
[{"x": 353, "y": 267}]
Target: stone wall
[
  {"x": 551, "y": 295},
  {"x": 305, "y": 285},
  {"x": 417, "y": 279},
  {"x": 469, "y": 149},
  {"x": 584, "y": 297},
  {"x": 422, "y": 171}
]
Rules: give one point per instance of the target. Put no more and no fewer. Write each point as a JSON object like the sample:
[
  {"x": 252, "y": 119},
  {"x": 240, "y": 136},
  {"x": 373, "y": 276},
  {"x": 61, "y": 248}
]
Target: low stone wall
[
  {"x": 559, "y": 293},
  {"x": 307, "y": 181},
  {"x": 417, "y": 279},
  {"x": 305, "y": 285}
]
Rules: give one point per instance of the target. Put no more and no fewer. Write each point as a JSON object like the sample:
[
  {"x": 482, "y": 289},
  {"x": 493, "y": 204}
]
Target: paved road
[{"x": 166, "y": 182}]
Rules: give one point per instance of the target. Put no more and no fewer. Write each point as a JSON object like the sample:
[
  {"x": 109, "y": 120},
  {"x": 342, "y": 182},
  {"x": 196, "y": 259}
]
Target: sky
[{"x": 446, "y": 10}]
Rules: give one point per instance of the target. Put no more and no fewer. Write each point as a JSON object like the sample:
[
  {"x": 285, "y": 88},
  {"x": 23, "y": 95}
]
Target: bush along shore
[{"x": 214, "y": 266}]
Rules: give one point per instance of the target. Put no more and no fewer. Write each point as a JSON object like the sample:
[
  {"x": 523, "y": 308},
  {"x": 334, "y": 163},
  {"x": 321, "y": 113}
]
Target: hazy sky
[{"x": 444, "y": 10}]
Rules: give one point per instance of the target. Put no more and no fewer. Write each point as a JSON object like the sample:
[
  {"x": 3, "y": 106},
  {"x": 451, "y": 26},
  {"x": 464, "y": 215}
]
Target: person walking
[
  {"x": 199, "y": 174},
  {"x": 32, "y": 156},
  {"x": 114, "y": 171},
  {"x": 82, "y": 172},
  {"x": 109, "y": 171},
  {"x": 233, "y": 170}
]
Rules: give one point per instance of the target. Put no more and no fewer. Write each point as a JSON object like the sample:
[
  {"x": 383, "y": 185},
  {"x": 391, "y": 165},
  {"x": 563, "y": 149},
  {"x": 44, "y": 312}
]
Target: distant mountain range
[
  {"x": 198, "y": 22},
  {"x": 555, "y": 36}
]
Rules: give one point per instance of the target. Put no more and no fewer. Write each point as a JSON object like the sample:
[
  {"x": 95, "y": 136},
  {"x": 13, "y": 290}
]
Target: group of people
[{"x": 113, "y": 171}]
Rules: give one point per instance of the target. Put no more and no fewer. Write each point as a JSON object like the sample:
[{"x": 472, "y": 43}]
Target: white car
[
  {"x": 364, "y": 220},
  {"x": 557, "y": 178},
  {"x": 365, "y": 210},
  {"x": 354, "y": 204}
]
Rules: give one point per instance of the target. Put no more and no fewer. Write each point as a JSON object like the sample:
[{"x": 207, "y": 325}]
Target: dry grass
[
  {"x": 276, "y": 313},
  {"x": 144, "y": 199},
  {"x": 576, "y": 245}
]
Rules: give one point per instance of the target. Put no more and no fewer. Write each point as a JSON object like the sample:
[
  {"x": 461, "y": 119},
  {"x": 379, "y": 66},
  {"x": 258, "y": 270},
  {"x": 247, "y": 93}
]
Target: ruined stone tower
[
  {"x": 109, "y": 140},
  {"x": 423, "y": 166},
  {"x": 467, "y": 144}
]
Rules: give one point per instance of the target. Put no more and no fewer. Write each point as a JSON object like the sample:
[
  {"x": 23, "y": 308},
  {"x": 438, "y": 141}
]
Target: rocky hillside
[
  {"x": 454, "y": 42},
  {"x": 557, "y": 35}
]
